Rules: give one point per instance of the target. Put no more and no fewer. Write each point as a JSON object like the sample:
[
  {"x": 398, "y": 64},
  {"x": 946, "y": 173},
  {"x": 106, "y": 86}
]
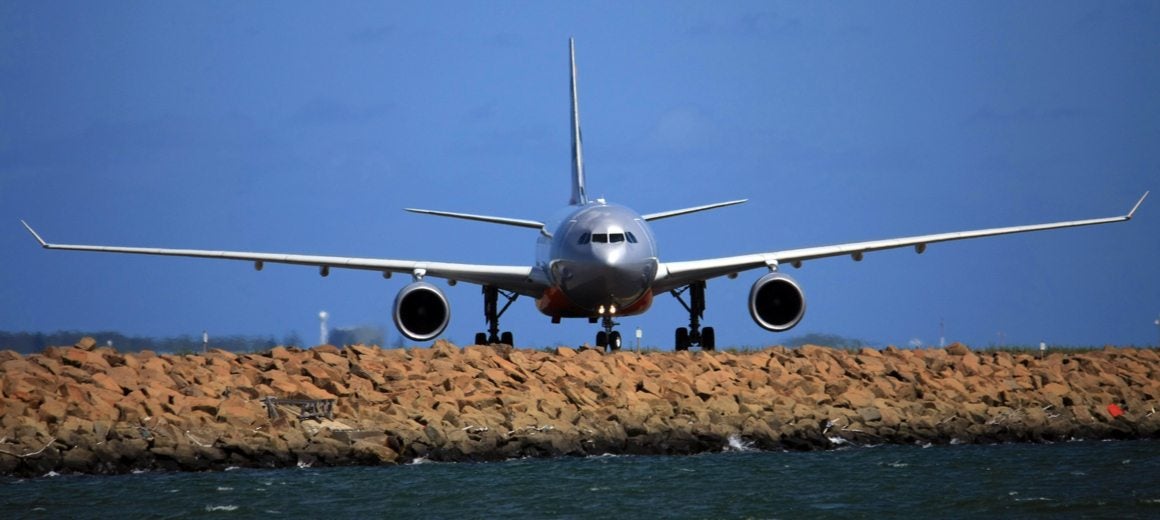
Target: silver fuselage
[{"x": 600, "y": 259}]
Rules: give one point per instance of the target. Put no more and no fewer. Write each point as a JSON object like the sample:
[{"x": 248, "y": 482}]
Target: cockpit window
[{"x": 606, "y": 238}]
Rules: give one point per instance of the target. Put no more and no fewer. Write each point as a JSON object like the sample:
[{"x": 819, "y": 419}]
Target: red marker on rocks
[{"x": 1115, "y": 410}]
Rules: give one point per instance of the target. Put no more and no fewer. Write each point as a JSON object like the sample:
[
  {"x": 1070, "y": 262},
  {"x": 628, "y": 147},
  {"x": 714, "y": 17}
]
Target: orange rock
[
  {"x": 280, "y": 353},
  {"x": 855, "y": 398},
  {"x": 52, "y": 411},
  {"x": 309, "y": 391},
  {"x": 239, "y": 413},
  {"x": 125, "y": 377},
  {"x": 103, "y": 380},
  {"x": 957, "y": 349}
]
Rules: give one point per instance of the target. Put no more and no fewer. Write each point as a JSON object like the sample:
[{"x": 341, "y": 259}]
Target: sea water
[{"x": 1073, "y": 480}]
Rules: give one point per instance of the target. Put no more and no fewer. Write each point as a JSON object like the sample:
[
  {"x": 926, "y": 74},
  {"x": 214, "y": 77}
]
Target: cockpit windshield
[{"x": 606, "y": 238}]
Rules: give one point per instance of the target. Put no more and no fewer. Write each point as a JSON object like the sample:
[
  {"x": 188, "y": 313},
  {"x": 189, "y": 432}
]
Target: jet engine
[
  {"x": 776, "y": 302},
  {"x": 421, "y": 311}
]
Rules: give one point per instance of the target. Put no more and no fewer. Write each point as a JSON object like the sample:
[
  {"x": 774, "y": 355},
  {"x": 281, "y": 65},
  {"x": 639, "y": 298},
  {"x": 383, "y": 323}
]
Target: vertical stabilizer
[{"x": 578, "y": 194}]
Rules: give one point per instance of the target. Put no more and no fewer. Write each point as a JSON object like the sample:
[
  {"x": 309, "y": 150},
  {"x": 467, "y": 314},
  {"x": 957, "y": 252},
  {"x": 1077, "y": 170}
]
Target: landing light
[
  {"x": 611, "y": 309},
  {"x": 600, "y": 310}
]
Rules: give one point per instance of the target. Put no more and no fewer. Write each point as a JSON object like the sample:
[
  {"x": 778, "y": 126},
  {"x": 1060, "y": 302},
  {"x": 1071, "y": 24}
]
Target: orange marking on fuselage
[{"x": 556, "y": 304}]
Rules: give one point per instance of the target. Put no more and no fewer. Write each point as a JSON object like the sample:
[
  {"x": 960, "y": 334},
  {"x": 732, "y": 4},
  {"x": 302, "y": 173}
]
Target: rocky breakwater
[{"x": 95, "y": 410}]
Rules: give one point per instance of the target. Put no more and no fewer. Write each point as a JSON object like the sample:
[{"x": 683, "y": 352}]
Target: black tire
[
  {"x": 682, "y": 342},
  {"x": 506, "y": 339},
  {"x": 708, "y": 339},
  {"x": 614, "y": 340},
  {"x": 601, "y": 339},
  {"x": 480, "y": 338}
]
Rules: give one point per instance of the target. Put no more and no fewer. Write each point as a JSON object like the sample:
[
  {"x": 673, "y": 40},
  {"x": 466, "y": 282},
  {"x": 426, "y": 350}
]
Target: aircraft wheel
[
  {"x": 601, "y": 339},
  {"x": 682, "y": 342},
  {"x": 614, "y": 340},
  {"x": 506, "y": 339},
  {"x": 708, "y": 339},
  {"x": 480, "y": 338}
]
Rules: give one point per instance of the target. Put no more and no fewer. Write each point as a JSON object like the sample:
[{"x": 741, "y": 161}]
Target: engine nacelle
[
  {"x": 421, "y": 311},
  {"x": 776, "y": 302}
]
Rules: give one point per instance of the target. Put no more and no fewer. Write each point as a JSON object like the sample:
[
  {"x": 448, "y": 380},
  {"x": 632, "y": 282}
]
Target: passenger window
[
  {"x": 584, "y": 239},
  {"x": 630, "y": 236},
  {"x": 600, "y": 238},
  {"x": 616, "y": 237}
]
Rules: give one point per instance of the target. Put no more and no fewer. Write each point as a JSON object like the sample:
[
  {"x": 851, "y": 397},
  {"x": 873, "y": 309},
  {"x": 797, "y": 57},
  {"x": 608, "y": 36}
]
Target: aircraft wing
[
  {"x": 524, "y": 280},
  {"x": 673, "y": 275}
]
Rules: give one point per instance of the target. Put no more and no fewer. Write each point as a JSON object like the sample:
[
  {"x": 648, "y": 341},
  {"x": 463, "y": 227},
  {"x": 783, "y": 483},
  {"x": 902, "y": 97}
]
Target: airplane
[{"x": 595, "y": 260}]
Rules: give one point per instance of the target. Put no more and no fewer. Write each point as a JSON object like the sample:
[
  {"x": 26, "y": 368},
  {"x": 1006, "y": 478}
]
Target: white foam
[
  {"x": 229, "y": 507},
  {"x": 736, "y": 443},
  {"x": 224, "y": 488}
]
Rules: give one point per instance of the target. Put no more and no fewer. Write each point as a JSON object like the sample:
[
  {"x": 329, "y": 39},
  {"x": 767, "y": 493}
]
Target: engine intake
[
  {"x": 421, "y": 311},
  {"x": 776, "y": 302}
]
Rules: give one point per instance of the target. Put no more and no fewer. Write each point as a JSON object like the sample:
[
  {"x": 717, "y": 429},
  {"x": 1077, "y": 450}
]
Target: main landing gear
[
  {"x": 608, "y": 339},
  {"x": 694, "y": 335},
  {"x": 490, "y": 304}
]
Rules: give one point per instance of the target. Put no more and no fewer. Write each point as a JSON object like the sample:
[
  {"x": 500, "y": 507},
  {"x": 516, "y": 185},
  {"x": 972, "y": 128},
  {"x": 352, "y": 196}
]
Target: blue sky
[{"x": 305, "y": 128}]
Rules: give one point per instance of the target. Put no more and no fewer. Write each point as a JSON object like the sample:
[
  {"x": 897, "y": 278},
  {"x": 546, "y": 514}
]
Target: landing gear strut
[
  {"x": 694, "y": 335},
  {"x": 608, "y": 339},
  {"x": 490, "y": 304}
]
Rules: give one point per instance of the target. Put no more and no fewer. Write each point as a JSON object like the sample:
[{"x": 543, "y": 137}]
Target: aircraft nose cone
[{"x": 626, "y": 280}]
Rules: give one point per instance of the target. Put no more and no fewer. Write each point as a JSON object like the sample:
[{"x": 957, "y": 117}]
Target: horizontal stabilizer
[
  {"x": 675, "y": 212},
  {"x": 519, "y": 222}
]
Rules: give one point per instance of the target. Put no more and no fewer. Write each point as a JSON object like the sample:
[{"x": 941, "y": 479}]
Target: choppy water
[{"x": 1073, "y": 480}]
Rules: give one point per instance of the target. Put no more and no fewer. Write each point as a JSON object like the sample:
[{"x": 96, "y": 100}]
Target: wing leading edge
[
  {"x": 522, "y": 279},
  {"x": 672, "y": 275}
]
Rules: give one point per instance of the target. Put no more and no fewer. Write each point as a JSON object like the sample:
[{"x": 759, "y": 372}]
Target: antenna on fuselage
[{"x": 578, "y": 194}]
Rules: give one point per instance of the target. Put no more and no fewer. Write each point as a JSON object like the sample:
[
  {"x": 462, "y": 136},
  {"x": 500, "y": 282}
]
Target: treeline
[{"x": 32, "y": 342}]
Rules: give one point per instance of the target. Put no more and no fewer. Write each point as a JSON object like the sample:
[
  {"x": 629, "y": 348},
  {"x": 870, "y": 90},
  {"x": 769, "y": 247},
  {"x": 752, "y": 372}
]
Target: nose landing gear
[
  {"x": 608, "y": 339},
  {"x": 694, "y": 335}
]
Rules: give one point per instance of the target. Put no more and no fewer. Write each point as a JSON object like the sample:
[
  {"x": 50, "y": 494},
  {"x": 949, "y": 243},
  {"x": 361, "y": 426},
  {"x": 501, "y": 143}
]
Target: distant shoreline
[{"x": 90, "y": 409}]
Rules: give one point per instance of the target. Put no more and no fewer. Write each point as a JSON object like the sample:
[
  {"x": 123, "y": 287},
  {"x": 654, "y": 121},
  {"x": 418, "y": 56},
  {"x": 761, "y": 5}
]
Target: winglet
[
  {"x": 34, "y": 234},
  {"x": 1137, "y": 206}
]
